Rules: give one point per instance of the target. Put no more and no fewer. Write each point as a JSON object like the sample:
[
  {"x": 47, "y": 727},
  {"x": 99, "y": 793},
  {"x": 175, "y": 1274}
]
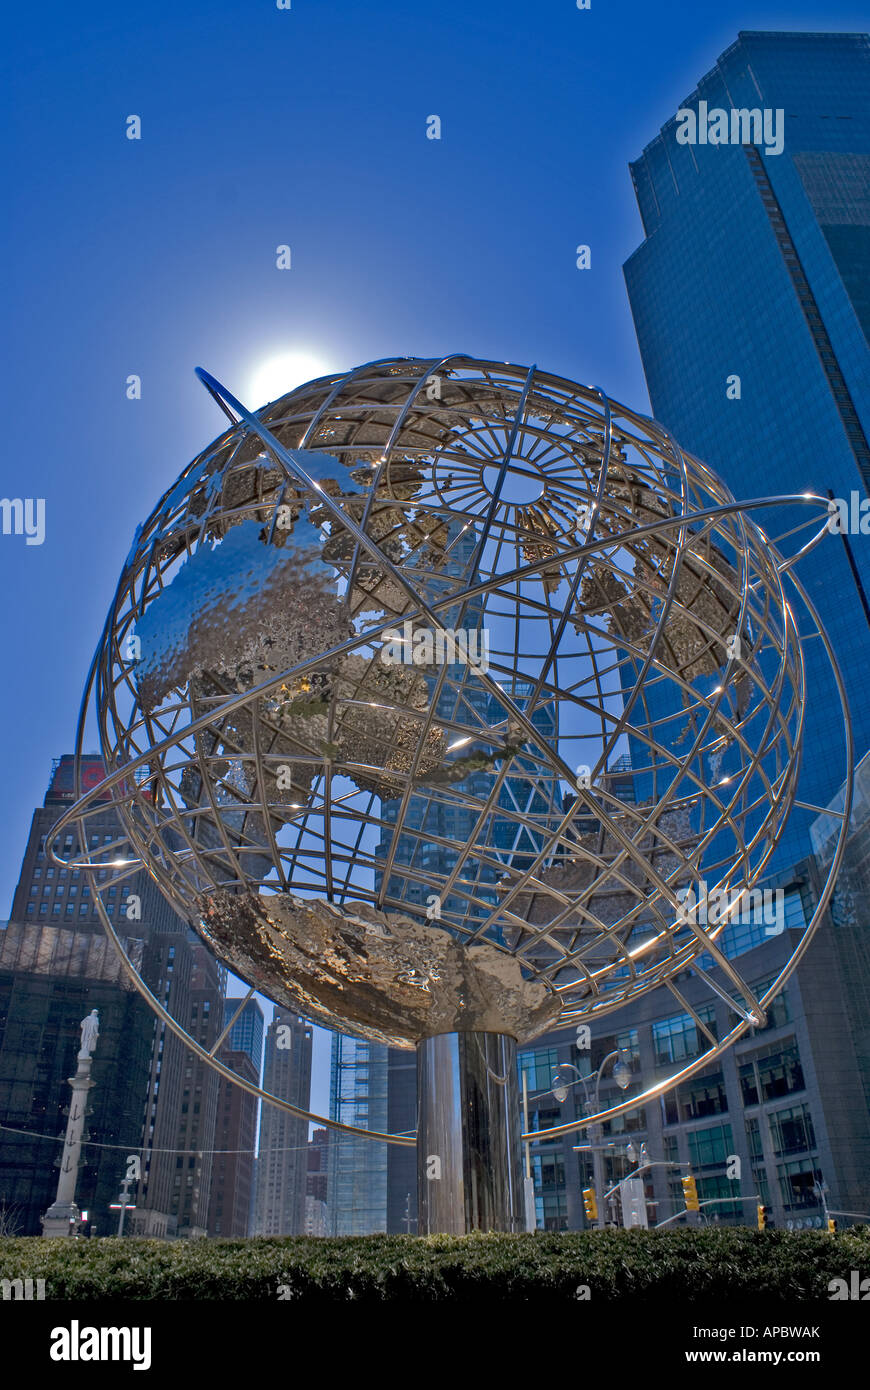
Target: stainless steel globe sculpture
[{"x": 429, "y": 692}]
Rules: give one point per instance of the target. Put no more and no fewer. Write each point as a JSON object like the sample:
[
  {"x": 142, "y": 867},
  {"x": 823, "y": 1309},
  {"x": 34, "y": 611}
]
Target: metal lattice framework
[{"x": 631, "y": 727}]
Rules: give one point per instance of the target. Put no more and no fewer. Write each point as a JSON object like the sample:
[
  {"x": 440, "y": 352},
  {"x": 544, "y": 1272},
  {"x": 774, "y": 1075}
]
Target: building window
[
  {"x": 748, "y": 1083},
  {"x": 551, "y": 1211},
  {"x": 538, "y": 1067},
  {"x": 714, "y": 1190},
  {"x": 797, "y": 1184},
  {"x": 778, "y": 1011},
  {"x": 774, "y": 1073},
  {"x": 549, "y": 1172},
  {"x": 704, "y": 1095},
  {"x": 791, "y": 1131},
  {"x": 677, "y": 1038},
  {"x": 794, "y": 913},
  {"x": 781, "y": 1073},
  {"x": 632, "y": 1122},
  {"x": 628, "y": 1044},
  {"x": 710, "y": 1147}
]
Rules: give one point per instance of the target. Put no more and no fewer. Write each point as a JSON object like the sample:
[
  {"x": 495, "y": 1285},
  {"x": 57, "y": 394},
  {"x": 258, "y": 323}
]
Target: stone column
[{"x": 62, "y": 1217}]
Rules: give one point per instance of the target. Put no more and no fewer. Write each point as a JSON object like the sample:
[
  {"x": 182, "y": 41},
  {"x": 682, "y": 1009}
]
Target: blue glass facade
[
  {"x": 246, "y": 1034},
  {"x": 357, "y": 1183},
  {"x": 757, "y": 265}
]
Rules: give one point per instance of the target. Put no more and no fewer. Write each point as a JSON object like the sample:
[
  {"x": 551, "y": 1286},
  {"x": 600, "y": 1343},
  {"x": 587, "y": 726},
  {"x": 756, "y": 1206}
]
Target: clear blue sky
[{"x": 306, "y": 127}]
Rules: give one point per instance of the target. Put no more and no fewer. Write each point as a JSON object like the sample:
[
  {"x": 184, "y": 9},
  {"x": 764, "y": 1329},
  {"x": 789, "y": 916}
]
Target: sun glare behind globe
[{"x": 281, "y": 373}]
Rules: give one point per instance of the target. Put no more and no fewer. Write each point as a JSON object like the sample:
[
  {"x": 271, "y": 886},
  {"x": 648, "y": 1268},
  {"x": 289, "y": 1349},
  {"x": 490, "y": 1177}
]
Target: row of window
[
  {"x": 93, "y": 843},
  {"x": 678, "y": 1038},
  {"x": 791, "y": 1131},
  {"x": 69, "y": 909},
  {"x": 771, "y": 1075},
  {"x": 73, "y": 874},
  {"x": 71, "y": 888}
]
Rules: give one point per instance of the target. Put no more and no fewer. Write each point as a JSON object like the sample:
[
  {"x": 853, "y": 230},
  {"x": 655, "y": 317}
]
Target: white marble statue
[{"x": 90, "y": 1032}]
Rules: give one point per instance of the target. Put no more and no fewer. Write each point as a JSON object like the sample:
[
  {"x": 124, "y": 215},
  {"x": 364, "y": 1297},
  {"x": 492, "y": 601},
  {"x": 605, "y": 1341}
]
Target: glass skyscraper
[
  {"x": 751, "y": 300},
  {"x": 246, "y": 1034},
  {"x": 282, "y": 1161},
  {"x": 357, "y": 1185}
]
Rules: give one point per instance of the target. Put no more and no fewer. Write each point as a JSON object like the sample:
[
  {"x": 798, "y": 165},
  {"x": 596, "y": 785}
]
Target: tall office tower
[
  {"x": 282, "y": 1159},
  {"x": 232, "y": 1184},
  {"x": 246, "y": 1034},
  {"x": 54, "y": 960},
  {"x": 193, "y": 1161},
  {"x": 751, "y": 301},
  {"x": 169, "y": 961},
  {"x": 229, "y": 1211},
  {"x": 848, "y": 913},
  {"x": 358, "y": 1088},
  {"x": 316, "y": 1220},
  {"x": 401, "y": 1160}
]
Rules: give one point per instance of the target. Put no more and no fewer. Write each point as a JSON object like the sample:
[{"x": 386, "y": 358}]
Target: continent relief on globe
[{"x": 379, "y": 975}]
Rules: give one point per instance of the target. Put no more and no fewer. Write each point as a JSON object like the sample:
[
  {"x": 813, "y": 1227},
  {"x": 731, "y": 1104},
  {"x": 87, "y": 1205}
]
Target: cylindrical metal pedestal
[{"x": 469, "y": 1169}]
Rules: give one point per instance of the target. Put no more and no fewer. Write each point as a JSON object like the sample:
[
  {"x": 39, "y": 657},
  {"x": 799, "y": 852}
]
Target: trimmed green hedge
[{"x": 689, "y": 1265}]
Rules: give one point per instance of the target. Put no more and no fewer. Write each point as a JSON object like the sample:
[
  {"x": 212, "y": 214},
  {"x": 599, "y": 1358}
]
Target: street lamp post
[
  {"x": 123, "y": 1205},
  {"x": 528, "y": 1181},
  {"x": 561, "y": 1085}
]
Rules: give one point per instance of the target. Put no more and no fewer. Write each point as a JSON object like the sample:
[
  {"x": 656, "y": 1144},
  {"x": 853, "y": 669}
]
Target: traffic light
[
  {"x": 763, "y": 1214},
  {"x": 832, "y": 1226},
  {"x": 590, "y": 1203},
  {"x": 690, "y": 1194}
]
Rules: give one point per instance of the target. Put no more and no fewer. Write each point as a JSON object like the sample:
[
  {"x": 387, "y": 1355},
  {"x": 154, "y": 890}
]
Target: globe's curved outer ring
[{"x": 114, "y": 781}]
